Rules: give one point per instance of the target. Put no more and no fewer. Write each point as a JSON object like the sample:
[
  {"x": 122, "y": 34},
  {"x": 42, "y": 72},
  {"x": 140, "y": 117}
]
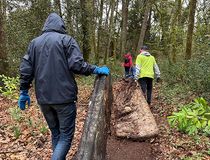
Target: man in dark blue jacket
[{"x": 52, "y": 59}]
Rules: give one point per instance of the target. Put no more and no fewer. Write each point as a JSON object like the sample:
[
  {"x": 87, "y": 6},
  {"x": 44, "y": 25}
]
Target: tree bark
[
  {"x": 99, "y": 32},
  {"x": 164, "y": 28},
  {"x": 57, "y": 6},
  {"x": 174, "y": 27},
  {"x": 40, "y": 9},
  {"x": 144, "y": 26},
  {"x": 111, "y": 20},
  {"x": 3, "y": 52},
  {"x": 91, "y": 7},
  {"x": 192, "y": 7},
  {"x": 85, "y": 29},
  {"x": 69, "y": 11},
  {"x": 125, "y": 4}
]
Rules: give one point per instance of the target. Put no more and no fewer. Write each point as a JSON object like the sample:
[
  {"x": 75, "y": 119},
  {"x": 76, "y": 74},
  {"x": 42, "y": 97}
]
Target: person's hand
[
  {"x": 24, "y": 97},
  {"x": 158, "y": 79},
  {"x": 101, "y": 70}
]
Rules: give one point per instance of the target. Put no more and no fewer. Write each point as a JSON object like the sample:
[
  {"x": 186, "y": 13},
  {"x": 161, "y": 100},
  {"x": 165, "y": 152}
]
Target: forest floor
[{"x": 24, "y": 135}]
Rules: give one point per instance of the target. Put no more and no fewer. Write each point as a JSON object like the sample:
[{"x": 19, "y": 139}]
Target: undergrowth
[{"x": 186, "y": 80}]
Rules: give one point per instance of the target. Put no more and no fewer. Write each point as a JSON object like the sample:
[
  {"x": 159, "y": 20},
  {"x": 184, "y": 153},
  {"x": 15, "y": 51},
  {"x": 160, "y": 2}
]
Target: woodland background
[{"x": 176, "y": 31}]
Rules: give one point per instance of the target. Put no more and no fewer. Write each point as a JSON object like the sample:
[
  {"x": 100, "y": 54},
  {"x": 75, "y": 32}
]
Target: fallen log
[
  {"x": 94, "y": 138},
  {"x": 132, "y": 116}
]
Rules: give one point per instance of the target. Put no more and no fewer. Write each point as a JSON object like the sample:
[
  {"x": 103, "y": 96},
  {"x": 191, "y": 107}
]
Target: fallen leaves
[{"x": 31, "y": 143}]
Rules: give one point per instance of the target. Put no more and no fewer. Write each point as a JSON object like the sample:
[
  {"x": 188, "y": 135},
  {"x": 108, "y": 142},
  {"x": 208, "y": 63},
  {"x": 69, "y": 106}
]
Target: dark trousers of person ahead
[
  {"x": 146, "y": 86},
  {"x": 61, "y": 122}
]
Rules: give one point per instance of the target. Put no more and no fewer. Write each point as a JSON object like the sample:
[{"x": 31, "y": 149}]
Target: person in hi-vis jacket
[{"x": 146, "y": 70}]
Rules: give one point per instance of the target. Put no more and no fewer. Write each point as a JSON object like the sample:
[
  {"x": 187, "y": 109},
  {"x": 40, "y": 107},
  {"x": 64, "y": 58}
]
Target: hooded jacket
[
  {"x": 129, "y": 63},
  {"x": 52, "y": 59},
  {"x": 146, "y": 66}
]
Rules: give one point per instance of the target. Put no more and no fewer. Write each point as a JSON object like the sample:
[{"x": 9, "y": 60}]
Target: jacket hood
[
  {"x": 146, "y": 53},
  {"x": 54, "y": 23}
]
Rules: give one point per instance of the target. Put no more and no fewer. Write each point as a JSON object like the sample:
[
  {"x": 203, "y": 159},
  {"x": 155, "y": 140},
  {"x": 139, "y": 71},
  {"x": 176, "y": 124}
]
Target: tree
[
  {"x": 3, "y": 52},
  {"x": 86, "y": 46},
  {"x": 99, "y": 31},
  {"x": 174, "y": 29},
  {"x": 69, "y": 17},
  {"x": 40, "y": 9},
  {"x": 57, "y": 6},
  {"x": 192, "y": 7},
  {"x": 144, "y": 24},
  {"x": 125, "y": 4},
  {"x": 163, "y": 19},
  {"x": 111, "y": 23}
]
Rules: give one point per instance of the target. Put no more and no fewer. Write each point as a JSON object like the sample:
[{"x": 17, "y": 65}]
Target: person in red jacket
[{"x": 128, "y": 64}]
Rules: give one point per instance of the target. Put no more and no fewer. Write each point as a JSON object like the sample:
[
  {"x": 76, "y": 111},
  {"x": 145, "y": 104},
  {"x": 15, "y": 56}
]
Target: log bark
[{"x": 96, "y": 129}]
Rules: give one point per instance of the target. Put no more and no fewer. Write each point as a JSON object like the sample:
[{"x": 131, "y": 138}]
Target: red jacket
[{"x": 129, "y": 63}]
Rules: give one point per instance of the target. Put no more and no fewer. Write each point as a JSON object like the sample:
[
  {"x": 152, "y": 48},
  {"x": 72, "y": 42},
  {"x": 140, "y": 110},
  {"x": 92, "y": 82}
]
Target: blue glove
[
  {"x": 101, "y": 70},
  {"x": 24, "y": 97}
]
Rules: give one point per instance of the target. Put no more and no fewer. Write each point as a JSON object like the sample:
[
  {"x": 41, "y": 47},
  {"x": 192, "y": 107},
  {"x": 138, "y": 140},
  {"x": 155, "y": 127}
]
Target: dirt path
[
  {"x": 33, "y": 140},
  {"x": 126, "y": 149}
]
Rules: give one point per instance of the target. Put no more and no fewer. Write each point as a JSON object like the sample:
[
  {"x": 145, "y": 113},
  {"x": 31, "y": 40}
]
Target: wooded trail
[{"x": 23, "y": 135}]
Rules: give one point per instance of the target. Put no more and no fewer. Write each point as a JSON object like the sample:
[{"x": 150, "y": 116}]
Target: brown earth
[
  {"x": 168, "y": 145},
  {"x": 123, "y": 148},
  {"x": 35, "y": 145}
]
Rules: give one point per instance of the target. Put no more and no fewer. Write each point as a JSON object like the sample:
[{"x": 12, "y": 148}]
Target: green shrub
[
  {"x": 43, "y": 129},
  {"x": 192, "y": 118},
  {"x": 10, "y": 86},
  {"x": 16, "y": 131},
  {"x": 16, "y": 114},
  {"x": 192, "y": 78}
]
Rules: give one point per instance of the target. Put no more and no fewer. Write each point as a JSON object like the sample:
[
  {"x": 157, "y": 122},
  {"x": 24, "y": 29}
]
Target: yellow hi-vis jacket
[{"x": 146, "y": 66}]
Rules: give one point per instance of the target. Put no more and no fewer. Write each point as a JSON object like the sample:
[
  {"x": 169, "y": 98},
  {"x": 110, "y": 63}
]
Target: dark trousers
[
  {"x": 146, "y": 86},
  {"x": 61, "y": 122},
  {"x": 127, "y": 71}
]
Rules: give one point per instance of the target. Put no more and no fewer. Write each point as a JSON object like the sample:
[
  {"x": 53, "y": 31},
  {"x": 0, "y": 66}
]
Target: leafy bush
[
  {"x": 192, "y": 118},
  {"x": 10, "y": 86},
  {"x": 191, "y": 76}
]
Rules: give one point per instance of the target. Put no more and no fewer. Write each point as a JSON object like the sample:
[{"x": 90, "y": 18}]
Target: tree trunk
[
  {"x": 85, "y": 29},
  {"x": 149, "y": 25},
  {"x": 40, "y": 9},
  {"x": 115, "y": 38},
  {"x": 69, "y": 18},
  {"x": 164, "y": 28},
  {"x": 174, "y": 27},
  {"x": 143, "y": 26},
  {"x": 57, "y": 6},
  {"x": 91, "y": 7},
  {"x": 111, "y": 20},
  {"x": 99, "y": 32},
  {"x": 3, "y": 52},
  {"x": 192, "y": 8},
  {"x": 125, "y": 4}
]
